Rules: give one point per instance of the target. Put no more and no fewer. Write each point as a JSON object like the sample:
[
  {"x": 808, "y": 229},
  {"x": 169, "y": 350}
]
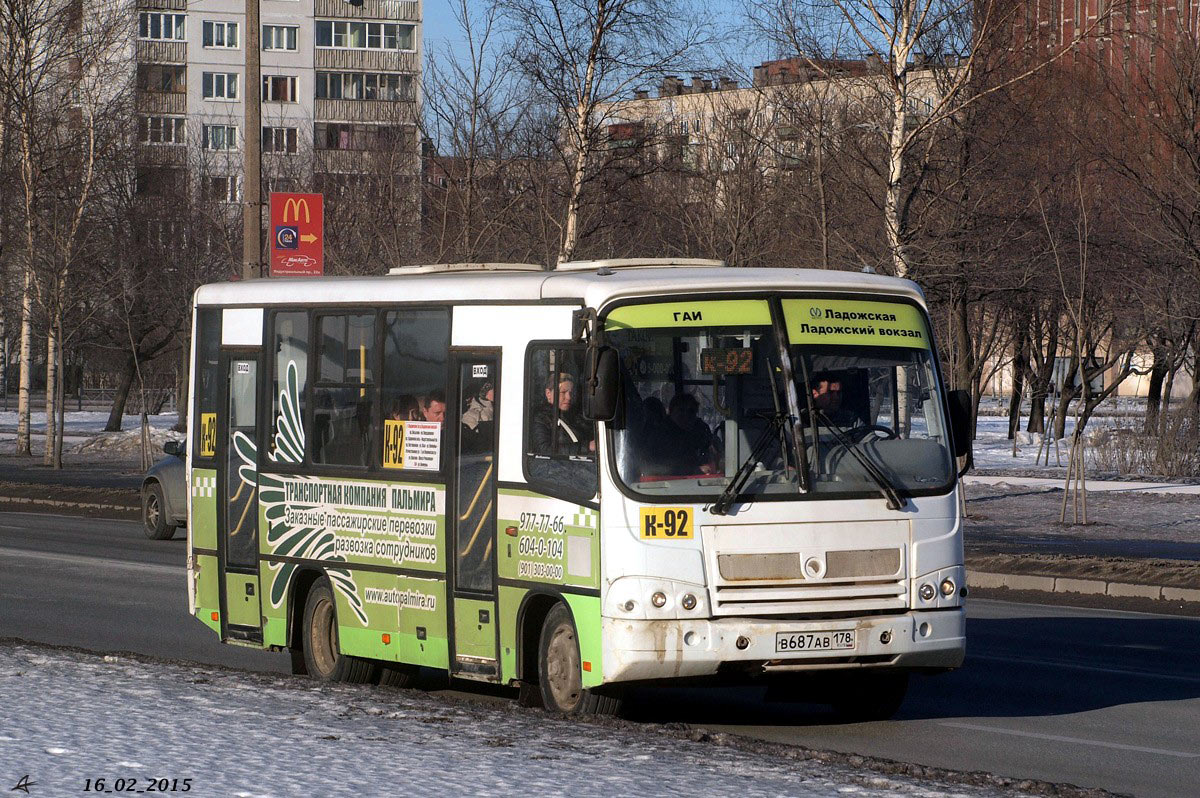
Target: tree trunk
[
  {"x": 1158, "y": 373},
  {"x": 1194, "y": 396},
  {"x": 1019, "y": 366},
  {"x": 182, "y": 399},
  {"x": 122, "y": 396},
  {"x": 60, "y": 421},
  {"x": 24, "y": 373},
  {"x": 51, "y": 390}
]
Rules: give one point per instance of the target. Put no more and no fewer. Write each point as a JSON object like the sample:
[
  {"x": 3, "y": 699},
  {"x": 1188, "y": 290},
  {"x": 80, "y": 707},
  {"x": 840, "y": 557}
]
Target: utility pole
[{"x": 252, "y": 143}]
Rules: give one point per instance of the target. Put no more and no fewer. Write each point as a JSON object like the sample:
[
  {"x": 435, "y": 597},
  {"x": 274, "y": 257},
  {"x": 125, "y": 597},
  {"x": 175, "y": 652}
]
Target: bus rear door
[
  {"x": 473, "y": 415},
  {"x": 237, "y": 496}
]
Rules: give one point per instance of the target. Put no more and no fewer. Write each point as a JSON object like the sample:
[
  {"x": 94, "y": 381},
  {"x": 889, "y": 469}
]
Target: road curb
[
  {"x": 65, "y": 505},
  {"x": 1094, "y": 587}
]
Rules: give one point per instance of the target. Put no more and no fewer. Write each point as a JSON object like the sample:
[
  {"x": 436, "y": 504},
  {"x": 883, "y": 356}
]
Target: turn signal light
[
  {"x": 387, "y": 640},
  {"x": 947, "y": 587},
  {"x": 216, "y": 616},
  {"x": 659, "y": 599},
  {"x": 511, "y": 531}
]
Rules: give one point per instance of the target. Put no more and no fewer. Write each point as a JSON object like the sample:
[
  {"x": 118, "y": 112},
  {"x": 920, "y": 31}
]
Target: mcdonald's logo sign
[{"x": 296, "y": 235}]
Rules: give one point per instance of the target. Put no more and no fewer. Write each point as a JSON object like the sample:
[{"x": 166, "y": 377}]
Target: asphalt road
[{"x": 1096, "y": 698}]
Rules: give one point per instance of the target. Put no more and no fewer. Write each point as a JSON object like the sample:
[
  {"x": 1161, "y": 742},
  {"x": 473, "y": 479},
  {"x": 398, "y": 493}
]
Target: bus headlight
[
  {"x": 927, "y": 592},
  {"x": 659, "y": 599},
  {"x": 948, "y": 587},
  {"x": 688, "y": 602}
]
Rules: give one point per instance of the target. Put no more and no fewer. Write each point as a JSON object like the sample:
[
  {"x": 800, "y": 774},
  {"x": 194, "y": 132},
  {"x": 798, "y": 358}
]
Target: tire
[
  {"x": 560, "y": 676},
  {"x": 322, "y": 658},
  {"x": 397, "y": 674},
  {"x": 868, "y": 697},
  {"x": 154, "y": 513}
]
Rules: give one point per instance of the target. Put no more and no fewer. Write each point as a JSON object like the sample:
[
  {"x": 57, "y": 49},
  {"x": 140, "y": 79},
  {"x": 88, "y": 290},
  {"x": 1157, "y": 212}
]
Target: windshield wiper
[
  {"x": 894, "y": 500},
  {"x": 734, "y": 487}
]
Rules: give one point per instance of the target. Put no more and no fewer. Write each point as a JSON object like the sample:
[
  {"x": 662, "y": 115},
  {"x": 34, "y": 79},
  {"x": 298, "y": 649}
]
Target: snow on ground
[
  {"x": 84, "y": 431},
  {"x": 74, "y": 717}
]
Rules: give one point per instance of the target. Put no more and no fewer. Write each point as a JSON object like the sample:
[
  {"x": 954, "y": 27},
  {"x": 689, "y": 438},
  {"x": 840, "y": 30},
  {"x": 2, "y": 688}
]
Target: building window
[
  {"x": 162, "y": 27},
  {"x": 222, "y": 189},
  {"x": 220, "y": 137},
  {"x": 279, "y": 139},
  {"x": 159, "y": 181},
  {"x": 363, "y": 86},
  {"x": 221, "y": 34},
  {"x": 279, "y": 89},
  {"x": 279, "y": 37},
  {"x": 342, "y": 136},
  {"x": 220, "y": 85},
  {"x": 164, "y": 78},
  {"x": 161, "y": 130},
  {"x": 364, "y": 35}
]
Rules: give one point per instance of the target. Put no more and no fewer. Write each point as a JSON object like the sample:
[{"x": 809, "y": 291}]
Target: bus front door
[
  {"x": 237, "y": 498},
  {"x": 474, "y": 416}
]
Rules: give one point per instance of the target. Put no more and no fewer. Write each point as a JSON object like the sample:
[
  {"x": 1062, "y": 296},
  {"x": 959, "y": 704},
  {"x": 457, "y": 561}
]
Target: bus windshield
[{"x": 707, "y": 394}]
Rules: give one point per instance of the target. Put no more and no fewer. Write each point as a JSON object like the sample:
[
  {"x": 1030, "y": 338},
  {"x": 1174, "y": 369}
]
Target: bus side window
[
  {"x": 208, "y": 343},
  {"x": 416, "y": 346},
  {"x": 289, "y": 372},
  {"x": 343, "y": 394},
  {"x": 560, "y": 444}
]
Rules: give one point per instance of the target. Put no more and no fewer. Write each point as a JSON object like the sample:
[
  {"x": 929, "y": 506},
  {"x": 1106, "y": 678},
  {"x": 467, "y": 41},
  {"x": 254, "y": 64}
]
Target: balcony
[
  {"x": 369, "y": 9},
  {"x": 158, "y": 102},
  {"x": 161, "y": 52},
  {"x": 366, "y": 60},
  {"x": 163, "y": 5},
  {"x": 396, "y": 112}
]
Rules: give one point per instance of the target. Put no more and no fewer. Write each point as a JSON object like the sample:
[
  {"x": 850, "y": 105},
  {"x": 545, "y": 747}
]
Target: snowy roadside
[
  {"x": 84, "y": 433},
  {"x": 75, "y": 716}
]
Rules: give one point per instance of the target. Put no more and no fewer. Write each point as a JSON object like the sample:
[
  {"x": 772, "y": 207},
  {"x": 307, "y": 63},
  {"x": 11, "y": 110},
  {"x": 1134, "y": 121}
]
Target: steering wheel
[{"x": 860, "y": 432}]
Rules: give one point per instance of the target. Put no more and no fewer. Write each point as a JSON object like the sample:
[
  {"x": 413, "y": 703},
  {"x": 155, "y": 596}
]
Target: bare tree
[{"x": 583, "y": 55}]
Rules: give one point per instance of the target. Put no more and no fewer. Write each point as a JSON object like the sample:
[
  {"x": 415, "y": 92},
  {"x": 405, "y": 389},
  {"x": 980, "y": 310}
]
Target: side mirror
[
  {"x": 958, "y": 403},
  {"x": 601, "y": 383},
  {"x": 175, "y": 448}
]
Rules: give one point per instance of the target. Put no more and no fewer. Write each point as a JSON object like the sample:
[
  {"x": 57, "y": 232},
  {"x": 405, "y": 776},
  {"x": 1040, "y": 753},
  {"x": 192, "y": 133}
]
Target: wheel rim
[
  {"x": 562, "y": 668},
  {"x": 152, "y": 512},
  {"x": 322, "y": 635}
]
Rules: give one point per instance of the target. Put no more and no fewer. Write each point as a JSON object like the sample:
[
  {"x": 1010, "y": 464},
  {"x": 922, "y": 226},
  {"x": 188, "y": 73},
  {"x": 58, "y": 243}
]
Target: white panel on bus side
[
  {"x": 241, "y": 327},
  {"x": 511, "y": 327}
]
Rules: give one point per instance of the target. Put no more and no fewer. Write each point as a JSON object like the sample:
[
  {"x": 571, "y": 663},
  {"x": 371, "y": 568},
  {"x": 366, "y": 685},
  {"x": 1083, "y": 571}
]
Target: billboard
[{"x": 297, "y": 227}]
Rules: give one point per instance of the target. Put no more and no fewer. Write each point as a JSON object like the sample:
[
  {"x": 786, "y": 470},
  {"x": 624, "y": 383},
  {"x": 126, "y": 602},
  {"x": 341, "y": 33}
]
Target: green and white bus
[{"x": 617, "y": 472}]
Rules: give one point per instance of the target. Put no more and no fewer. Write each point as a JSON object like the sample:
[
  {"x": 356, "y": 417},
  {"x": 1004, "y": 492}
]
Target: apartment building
[
  {"x": 340, "y": 80},
  {"x": 707, "y": 124}
]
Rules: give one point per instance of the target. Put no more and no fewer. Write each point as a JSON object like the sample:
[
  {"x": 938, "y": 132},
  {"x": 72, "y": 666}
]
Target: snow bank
[{"x": 78, "y": 717}]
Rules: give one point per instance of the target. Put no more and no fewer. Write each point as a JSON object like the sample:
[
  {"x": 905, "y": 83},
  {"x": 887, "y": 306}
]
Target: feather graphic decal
[{"x": 283, "y": 539}]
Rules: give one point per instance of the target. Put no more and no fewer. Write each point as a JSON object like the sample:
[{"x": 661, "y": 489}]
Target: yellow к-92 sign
[
  {"x": 850, "y": 322},
  {"x": 393, "y": 444},
  {"x": 666, "y": 523},
  {"x": 208, "y": 434}
]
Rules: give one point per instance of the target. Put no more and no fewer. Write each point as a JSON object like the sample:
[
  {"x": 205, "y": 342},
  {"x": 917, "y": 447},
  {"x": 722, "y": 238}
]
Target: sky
[{"x": 441, "y": 29}]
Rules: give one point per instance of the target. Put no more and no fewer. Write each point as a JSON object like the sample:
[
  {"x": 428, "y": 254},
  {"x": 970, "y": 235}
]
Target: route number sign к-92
[{"x": 727, "y": 361}]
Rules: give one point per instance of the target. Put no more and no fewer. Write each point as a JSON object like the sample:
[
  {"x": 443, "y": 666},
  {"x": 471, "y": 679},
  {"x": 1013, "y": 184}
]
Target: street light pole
[{"x": 252, "y": 150}]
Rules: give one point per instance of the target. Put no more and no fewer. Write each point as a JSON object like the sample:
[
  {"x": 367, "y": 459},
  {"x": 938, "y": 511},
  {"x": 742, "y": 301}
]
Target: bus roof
[{"x": 592, "y": 287}]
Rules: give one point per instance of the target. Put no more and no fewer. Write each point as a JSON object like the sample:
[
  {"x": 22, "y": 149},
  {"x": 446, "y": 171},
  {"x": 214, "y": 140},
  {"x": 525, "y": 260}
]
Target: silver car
[{"x": 164, "y": 494}]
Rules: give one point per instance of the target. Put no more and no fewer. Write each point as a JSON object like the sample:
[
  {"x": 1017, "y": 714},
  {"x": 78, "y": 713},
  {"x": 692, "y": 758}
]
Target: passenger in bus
[
  {"x": 433, "y": 407},
  {"x": 574, "y": 434},
  {"x": 684, "y": 445},
  {"x": 477, "y": 424},
  {"x": 404, "y": 408}
]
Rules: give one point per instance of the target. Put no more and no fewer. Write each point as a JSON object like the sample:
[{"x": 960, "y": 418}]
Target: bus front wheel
[
  {"x": 560, "y": 675},
  {"x": 322, "y": 657}
]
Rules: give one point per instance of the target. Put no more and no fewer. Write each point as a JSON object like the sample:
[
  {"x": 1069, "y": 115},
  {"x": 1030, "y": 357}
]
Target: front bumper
[{"x": 637, "y": 650}]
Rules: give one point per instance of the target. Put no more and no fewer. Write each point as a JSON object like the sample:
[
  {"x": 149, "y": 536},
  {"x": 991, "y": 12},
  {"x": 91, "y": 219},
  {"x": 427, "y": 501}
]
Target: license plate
[{"x": 792, "y": 642}]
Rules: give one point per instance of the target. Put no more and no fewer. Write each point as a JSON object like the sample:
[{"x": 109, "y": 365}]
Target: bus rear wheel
[
  {"x": 560, "y": 675},
  {"x": 322, "y": 656}
]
